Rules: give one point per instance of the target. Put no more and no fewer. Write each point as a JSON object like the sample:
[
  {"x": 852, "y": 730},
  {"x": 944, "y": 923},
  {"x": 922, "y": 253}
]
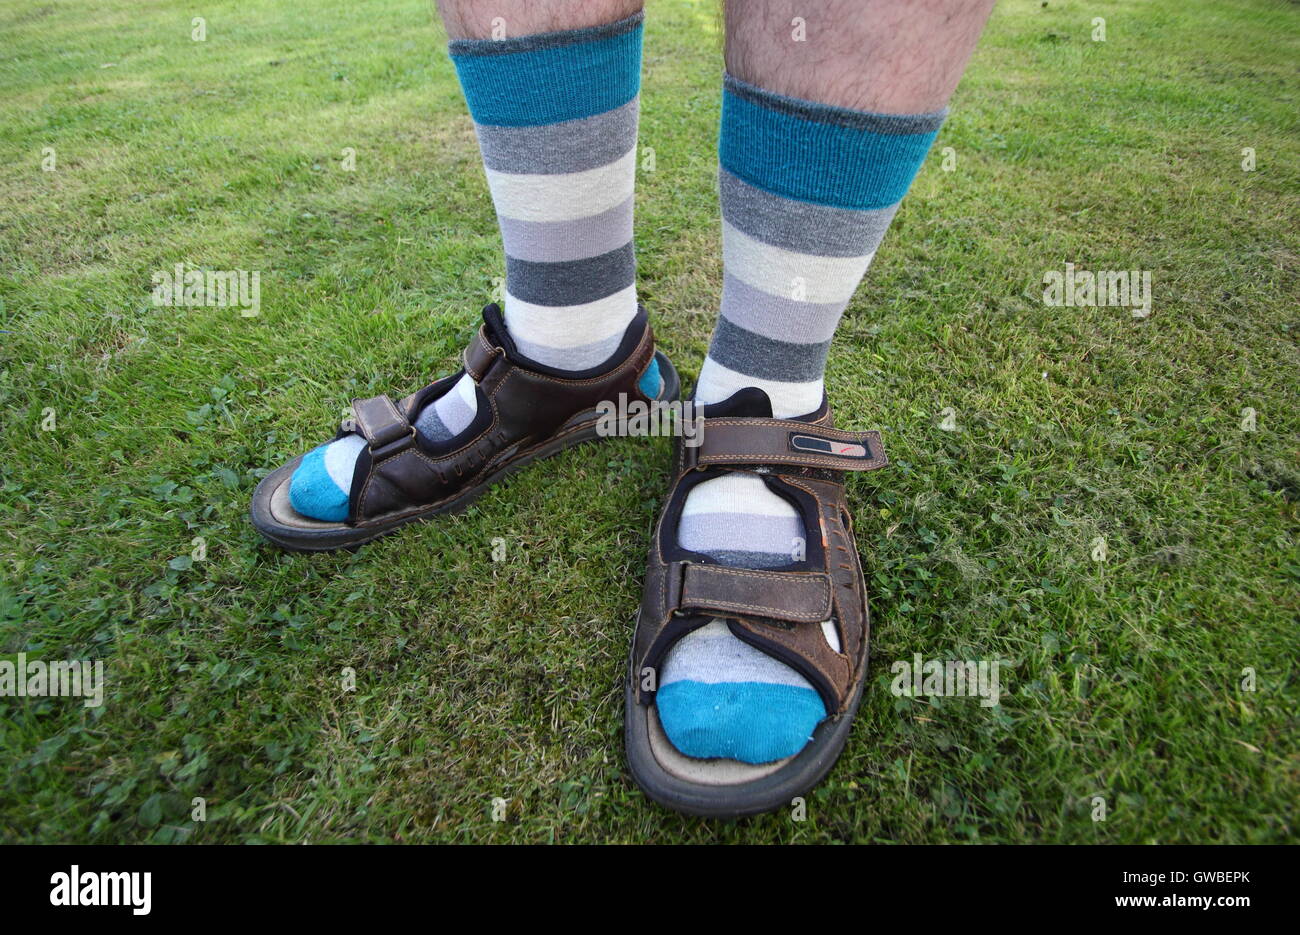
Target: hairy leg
[
  {"x": 885, "y": 56},
  {"x": 473, "y": 19}
]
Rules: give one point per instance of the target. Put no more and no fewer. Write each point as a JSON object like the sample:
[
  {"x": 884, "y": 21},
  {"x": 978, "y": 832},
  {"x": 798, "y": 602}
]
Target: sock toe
[
  {"x": 651, "y": 382},
  {"x": 314, "y": 489},
  {"x": 754, "y": 722}
]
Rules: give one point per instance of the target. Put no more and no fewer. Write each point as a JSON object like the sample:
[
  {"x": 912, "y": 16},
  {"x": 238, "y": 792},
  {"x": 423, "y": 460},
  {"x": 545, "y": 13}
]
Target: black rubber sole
[{"x": 328, "y": 537}]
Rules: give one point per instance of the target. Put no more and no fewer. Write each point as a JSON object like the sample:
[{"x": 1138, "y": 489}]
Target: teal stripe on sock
[
  {"x": 313, "y": 493},
  {"x": 531, "y": 81},
  {"x": 818, "y": 153},
  {"x": 754, "y": 722},
  {"x": 651, "y": 382}
]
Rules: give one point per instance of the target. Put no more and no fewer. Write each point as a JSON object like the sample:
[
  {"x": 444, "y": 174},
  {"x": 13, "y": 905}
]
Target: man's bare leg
[
  {"x": 473, "y": 19},
  {"x": 886, "y": 56}
]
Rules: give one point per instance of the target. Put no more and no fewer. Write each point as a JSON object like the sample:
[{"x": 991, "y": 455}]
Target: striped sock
[
  {"x": 556, "y": 118},
  {"x": 808, "y": 191}
]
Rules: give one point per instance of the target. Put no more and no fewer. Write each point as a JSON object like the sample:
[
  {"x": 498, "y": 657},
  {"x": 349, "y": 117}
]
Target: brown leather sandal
[
  {"x": 526, "y": 411},
  {"x": 778, "y": 611}
]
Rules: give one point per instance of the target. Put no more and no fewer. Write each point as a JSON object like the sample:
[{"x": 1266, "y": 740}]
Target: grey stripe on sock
[
  {"x": 559, "y": 148},
  {"x": 572, "y": 282},
  {"x": 583, "y": 357},
  {"x": 764, "y": 535},
  {"x": 819, "y": 230},
  {"x": 446, "y": 416},
  {"x": 431, "y": 426},
  {"x": 774, "y": 316},
  {"x": 887, "y": 124},
  {"x": 740, "y": 558},
  {"x": 757, "y": 356},
  {"x": 558, "y": 241}
]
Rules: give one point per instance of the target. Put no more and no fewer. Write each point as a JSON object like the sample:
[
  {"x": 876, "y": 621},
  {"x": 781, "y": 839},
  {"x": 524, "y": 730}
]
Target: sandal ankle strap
[{"x": 786, "y": 442}]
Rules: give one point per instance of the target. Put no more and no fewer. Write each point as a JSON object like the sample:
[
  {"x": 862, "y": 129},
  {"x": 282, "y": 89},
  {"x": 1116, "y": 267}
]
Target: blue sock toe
[
  {"x": 312, "y": 492},
  {"x": 651, "y": 382},
  {"x": 754, "y": 722}
]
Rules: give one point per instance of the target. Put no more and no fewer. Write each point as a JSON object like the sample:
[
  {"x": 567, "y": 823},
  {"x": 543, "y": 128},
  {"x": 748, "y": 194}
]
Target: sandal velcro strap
[
  {"x": 479, "y": 355},
  {"x": 794, "y": 596},
  {"x": 727, "y": 440},
  {"x": 381, "y": 425}
]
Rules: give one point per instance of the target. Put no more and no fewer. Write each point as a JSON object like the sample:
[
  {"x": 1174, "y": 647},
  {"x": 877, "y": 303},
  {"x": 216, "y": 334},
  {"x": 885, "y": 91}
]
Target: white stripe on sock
[
  {"x": 457, "y": 407},
  {"x": 736, "y": 493},
  {"x": 713, "y": 656},
  {"x": 832, "y": 635},
  {"x": 567, "y": 197},
  {"x": 341, "y": 458},
  {"x": 465, "y": 388},
  {"x": 717, "y": 383},
  {"x": 567, "y": 326},
  {"x": 780, "y": 272}
]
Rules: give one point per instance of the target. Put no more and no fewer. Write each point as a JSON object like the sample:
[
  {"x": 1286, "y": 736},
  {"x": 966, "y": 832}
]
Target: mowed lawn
[{"x": 1160, "y": 679}]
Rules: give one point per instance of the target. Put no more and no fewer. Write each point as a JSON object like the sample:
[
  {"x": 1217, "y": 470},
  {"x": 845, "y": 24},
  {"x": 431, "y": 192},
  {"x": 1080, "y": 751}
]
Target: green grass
[{"x": 478, "y": 679}]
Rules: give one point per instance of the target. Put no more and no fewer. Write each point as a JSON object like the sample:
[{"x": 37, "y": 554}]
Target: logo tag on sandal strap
[{"x": 827, "y": 446}]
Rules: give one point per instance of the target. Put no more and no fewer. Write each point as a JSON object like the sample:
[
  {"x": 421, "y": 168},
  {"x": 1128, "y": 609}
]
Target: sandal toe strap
[
  {"x": 791, "y": 596},
  {"x": 381, "y": 424}
]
